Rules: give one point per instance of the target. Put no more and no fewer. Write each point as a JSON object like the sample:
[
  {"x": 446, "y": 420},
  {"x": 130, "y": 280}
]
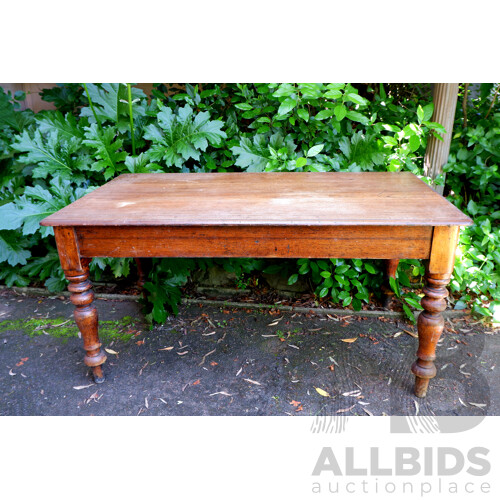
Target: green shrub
[{"x": 99, "y": 131}]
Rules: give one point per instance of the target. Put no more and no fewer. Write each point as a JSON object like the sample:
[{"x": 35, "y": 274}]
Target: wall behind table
[{"x": 34, "y": 101}]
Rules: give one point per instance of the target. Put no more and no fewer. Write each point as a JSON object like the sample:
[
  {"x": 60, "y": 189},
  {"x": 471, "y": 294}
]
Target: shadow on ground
[{"x": 213, "y": 361}]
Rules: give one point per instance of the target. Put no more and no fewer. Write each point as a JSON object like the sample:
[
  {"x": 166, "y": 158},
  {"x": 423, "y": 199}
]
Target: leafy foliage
[
  {"x": 473, "y": 182},
  {"x": 100, "y": 131},
  {"x": 181, "y": 135}
]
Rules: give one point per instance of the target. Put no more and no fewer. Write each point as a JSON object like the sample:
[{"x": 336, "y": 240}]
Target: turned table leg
[
  {"x": 76, "y": 270},
  {"x": 430, "y": 321}
]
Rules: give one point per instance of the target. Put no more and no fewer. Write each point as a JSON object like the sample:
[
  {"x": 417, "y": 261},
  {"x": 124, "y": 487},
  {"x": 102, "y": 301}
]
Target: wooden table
[{"x": 373, "y": 215}]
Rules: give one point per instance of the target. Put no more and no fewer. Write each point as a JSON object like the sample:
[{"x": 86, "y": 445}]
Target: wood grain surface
[
  {"x": 361, "y": 242},
  {"x": 275, "y": 198}
]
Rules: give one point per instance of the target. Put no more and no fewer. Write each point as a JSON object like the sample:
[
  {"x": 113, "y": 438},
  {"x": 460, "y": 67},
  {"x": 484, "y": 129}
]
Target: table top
[{"x": 270, "y": 198}]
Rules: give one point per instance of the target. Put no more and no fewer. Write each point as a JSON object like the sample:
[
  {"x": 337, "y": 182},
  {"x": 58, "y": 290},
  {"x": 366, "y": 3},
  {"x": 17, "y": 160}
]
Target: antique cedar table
[{"x": 373, "y": 215}]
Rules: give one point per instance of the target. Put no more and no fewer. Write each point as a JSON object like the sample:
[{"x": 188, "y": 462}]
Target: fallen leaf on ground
[
  {"x": 196, "y": 382},
  {"x": 214, "y": 363},
  {"x": 140, "y": 342},
  {"x": 322, "y": 392},
  {"x": 252, "y": 381},
  {"x": 412, "y": 334},
  {"x": 350, "y": 340},
  {"x": 479, "y": 405},
  {"x": 78, "y": 387},
  {"x": 166, "y": 348},
  {"x": 346, "y": 409},
  {"x": 331, "y": 368},
  {"x": 295, "y": 403},
  {"x": 355, "y": 393},
  {"x": 110, "y": 351}
]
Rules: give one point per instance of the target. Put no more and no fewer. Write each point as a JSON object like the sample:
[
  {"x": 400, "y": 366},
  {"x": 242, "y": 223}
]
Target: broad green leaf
[
  {"x": 54, "y": 121},
  {"x": 355, "y": 98},
  {"x": 140, "y": 164},
  {"x": 10, "y": 216},
  {"x": 9, "y": 117},
  {"x": 325, "y": 113},
  {"x": 311, "y": 90},
  {"x": 370, "y": 268},
  {"x": 13, "y": 249},
  {"x": 286, "y": 106},
  {"x": 315, "y": 150},
  {"x": 51, "y": 155},
  {"x": 301, "y": 162},
  {"x": 357, "y": 117},
  {"x": 414, "y": 143},
  {"x": 347, "y": 301},
  {"x": 293, "y": 279},
  {"x": 110, "y": 101},
  {"x": 413, "y": 302},
  {"x": 284, "y": 90},
  {"x": 180, "y": 136},
  {"x": 472, "y": 207},
  {"x": 256, "y": 156},
  {"x": 340, "y": 112},
  {"x": 335, "y": 86},
  {"x": 243, "y": 105},
  {"x": 394, "y": 286},
  {"x": 303, "y": 114},
  {"x": 420, "y": 114},
  {"x": 409, "y": 313},
  {"x": 108, "y": 151},
  {"x": 333, "y": 94},
  {"x": 428, "y": 111}
]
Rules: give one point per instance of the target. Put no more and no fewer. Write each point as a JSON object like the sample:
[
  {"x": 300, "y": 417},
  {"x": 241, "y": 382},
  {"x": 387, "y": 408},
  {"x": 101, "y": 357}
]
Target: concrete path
[{"x": 215, "y": 361}]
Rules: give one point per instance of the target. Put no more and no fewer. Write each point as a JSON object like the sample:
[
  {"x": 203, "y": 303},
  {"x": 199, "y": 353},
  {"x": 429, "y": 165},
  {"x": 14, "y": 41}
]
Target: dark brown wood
[
  {"x": 391, "y": 267},
  {"x": 317, "y": 215},
  {"x": 430, "y": 321},
  {"x": 76, "y": 270},
  {"x": 141, "y": 273},
  {"x": 262, "y": 199},
  {"x": 363, "y": 242}
]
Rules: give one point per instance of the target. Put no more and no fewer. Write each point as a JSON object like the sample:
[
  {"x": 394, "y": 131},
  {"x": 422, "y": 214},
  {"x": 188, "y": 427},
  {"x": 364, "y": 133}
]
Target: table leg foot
[
  {"x": 430, "y": 326},
  {"x": 421, "y": 385},
  {"x": 98, "y": 374}
]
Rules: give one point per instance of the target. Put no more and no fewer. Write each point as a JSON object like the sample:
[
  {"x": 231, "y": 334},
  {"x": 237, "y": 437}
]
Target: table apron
[{"x": 363, "y": 242}]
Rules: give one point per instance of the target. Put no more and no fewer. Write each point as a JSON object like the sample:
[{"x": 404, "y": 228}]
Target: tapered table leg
[
  {"x": 86, "y": 317},
  {"x": 430, "y": 326},
  {"x": 430, "y": 321},
  {"x": 76, "y": 270}
]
